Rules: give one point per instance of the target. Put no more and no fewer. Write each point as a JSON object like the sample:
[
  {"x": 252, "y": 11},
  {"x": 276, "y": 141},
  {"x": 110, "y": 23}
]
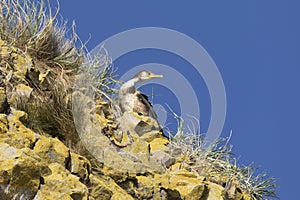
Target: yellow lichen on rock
[
  {"x": 106, "y": 188},
  {"x": 121, "y": 139},
  {"x": 183, "y": 182},
  {"x": 80, "y": 166},
  {"x": 52, "y": 150},
  {"x": 20, "y": 171},
  {"x": 99, "y": 189},
  {"x": 151, "y": 135},
  {"x": 23, "y": 62},
  {"x": 3, "y": 124},
  {"x": 101, "y": 120},
  {"x": 61, "y": 184},
  {"x": 159, "y": 143},
  {"x": 215, "y": 191},
  {"x": 42, "y": 76},
  {"x": 172, "y": 185},
  {"x": 17, "y": 134}
]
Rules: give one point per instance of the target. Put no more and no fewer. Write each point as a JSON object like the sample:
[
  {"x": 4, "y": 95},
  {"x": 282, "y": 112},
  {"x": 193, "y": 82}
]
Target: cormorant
[{"x": 130, "y": 99}]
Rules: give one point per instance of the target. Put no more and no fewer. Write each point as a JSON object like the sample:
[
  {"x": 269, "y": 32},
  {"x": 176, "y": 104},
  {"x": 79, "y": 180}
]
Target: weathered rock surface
[
  {"x": 20, "y": 172},
  {"x": 52, "y": 150},
  {"x": 14, "y": 132},
  {"x": 61, "y": 184}
]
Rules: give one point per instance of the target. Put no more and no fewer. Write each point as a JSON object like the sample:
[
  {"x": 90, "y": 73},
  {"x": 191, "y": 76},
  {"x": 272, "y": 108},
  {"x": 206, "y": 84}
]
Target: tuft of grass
[
  {"x": 31, "y": 27},
  {"x": 218, "y": 160},
  {"x": 99, "y": 72}
]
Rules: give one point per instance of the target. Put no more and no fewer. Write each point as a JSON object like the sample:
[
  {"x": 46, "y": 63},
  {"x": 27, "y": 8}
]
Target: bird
[{"x": 131, "y": 99}]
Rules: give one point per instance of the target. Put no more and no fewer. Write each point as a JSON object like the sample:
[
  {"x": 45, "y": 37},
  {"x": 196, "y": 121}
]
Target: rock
[
  {"x": 99, "y": 189},
  {"x": 52, "y": 150},
  {"x": 120, "y": 167},
  {"x": 61, "y": 185},
  {"x": 3, "y": 124},
  {"x": 128, "y": 121},
  {"x": 215, "y": 191},
  {"x": 173, "y": 185},
  {"x": 20, "y": 172},
  {"x": 14, "y": 132},
  {"x": 81, "y": 167},
  {"x": 133, "y": 122},
  {"x": 122, "y": 138},
  {"x": 106, "y": 188},
  {"x": 22, "y": 63},
  {"x": 149, "y": 136},
  {"x": 16, "y": 60},
  {"x": 147, "y": 124},
  {"x": 159, "y": 143},
  {"x": 146, "y": 187},
  {"x": 181, "y": 184},
  {"x": 117, "y": 163},
  {"x": 162, "y": 158},
  {"x": 139, "y": 149},
  {"x": 24, "y": 175},
  {"x": 232, "y": 191}
]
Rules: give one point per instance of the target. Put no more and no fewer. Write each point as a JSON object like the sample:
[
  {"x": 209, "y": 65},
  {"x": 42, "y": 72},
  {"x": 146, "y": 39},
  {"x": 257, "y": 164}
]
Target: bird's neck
[{"x": 129, "y": 86}]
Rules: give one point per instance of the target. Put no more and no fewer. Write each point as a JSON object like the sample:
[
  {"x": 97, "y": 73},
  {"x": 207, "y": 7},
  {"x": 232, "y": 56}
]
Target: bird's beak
[{"x": 155, "y": 75}]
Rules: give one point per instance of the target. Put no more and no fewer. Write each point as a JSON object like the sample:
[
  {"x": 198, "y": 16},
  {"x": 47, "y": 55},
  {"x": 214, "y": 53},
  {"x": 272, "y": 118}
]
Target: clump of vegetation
[
  {"x": 59, "y": 55},
  {"x": 31, "y": 27},
  {"x": 218, "y": 163}
]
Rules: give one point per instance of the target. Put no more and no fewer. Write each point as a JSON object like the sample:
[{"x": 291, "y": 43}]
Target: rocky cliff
[
  {"x": 39, "y": 166},
  {"x": 44, "y": 156},
  {"x": 36, "y": 165}
]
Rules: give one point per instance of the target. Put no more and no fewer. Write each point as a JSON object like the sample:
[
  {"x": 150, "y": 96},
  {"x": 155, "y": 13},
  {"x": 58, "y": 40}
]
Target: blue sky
[{"x": 256, "y": 48}]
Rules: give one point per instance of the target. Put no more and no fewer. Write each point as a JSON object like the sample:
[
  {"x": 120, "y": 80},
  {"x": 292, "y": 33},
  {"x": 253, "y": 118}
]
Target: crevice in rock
[
  {"x": 42, "y": 181},
  {"x": 129, "y": 185},
  {"x": 172, "y": 194},
  {"x": 205, "y": 193},
  {"x": 33, "y": 144},
  {"x": 68, "y": 162},
  {"x": 76, "y": 196},
  {"x": 5, "y": 108}
]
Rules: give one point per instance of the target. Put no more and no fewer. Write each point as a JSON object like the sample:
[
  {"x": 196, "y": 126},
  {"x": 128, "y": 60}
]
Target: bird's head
[{"x": 146, "y": 75}]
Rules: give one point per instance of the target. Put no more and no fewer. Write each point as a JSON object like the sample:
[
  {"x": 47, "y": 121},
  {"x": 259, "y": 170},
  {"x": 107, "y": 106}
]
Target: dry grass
[
  {"x": 33, "y": 27},
  {"x": 219, "y": 160}
]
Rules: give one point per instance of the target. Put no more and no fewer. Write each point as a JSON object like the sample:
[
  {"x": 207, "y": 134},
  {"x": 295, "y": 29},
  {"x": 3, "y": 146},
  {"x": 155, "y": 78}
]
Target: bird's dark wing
[{"x": 143, "y": 106}]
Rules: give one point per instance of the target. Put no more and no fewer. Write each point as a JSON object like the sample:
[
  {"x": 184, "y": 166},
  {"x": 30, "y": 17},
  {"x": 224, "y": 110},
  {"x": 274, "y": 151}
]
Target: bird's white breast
[{"x": 127, "y": 102}]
